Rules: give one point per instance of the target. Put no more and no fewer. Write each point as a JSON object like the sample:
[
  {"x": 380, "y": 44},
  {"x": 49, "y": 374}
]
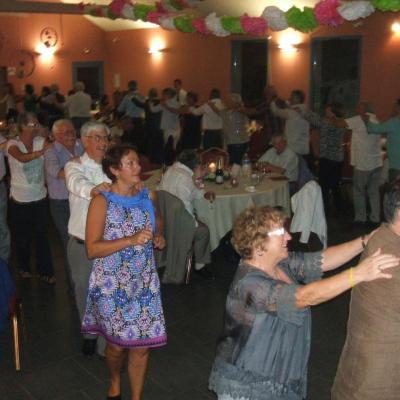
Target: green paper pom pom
[
  {"x": 92, "y": 10},
  {"x": 303, "y": 21},
  {"x": 387, "y": 5},
  {"x": 232, "y": 24},
  {"x": 109, "y": 13},
  {"x": 141, "y": 10},
  {"x": 184, "y": 24}
]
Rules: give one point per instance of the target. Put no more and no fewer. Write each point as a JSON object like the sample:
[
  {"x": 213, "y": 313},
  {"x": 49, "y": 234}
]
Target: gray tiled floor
[{"x": 54, "y": 369}]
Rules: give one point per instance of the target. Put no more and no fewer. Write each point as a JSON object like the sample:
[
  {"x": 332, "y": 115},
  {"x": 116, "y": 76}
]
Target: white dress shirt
[
  {"x": 365, "y": 149},
  {"x": 297, "y": 129},
  {"x": 211, "y": 120},
  {"x": 169, "y": 120},
  {"x": 178, "y": 180},
  {"x": 27, "y": 179},
  {"x": 82, "y": 174},
  {"x": 288, "y": 160},
  {"x": 79, "y": 105}
]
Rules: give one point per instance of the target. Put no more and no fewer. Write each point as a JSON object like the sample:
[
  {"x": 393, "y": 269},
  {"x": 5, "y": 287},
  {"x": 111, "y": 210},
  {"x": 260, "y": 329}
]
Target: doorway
[
  {"x": 335, "y": 72},
  {"x": 249, "y": 68},
  {"x": 92, "y": 75}
]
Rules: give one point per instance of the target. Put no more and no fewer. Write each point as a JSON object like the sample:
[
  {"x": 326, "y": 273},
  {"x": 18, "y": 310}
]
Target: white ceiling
[{"x": 221, "y": 7}]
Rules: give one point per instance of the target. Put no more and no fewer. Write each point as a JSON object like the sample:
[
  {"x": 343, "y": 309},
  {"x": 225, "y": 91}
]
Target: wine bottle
[{"x": 219, "y": 173}]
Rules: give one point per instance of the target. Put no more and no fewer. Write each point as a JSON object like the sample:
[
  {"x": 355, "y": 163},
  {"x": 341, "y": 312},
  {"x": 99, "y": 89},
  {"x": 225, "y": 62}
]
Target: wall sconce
[
  {"x": 156, "y": 47},
  {"x": 45, "y": 52},
  {"x": 396, "y": 27},
  {"x": 288, "y": 41}
]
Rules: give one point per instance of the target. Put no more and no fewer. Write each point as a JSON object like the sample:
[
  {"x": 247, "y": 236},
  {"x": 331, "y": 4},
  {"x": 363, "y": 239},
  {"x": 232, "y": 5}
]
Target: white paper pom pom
[
  {"x": 353, "y": 10},
  {"x": 213, "y": 24},
  {"x": 275, "y": 18},
  {"x": 167, "y": 23},
  {"x": 127, "y": 12}
]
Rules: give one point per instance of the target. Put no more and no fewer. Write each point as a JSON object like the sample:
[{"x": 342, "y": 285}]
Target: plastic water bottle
[{"x": 246, "y": 166}]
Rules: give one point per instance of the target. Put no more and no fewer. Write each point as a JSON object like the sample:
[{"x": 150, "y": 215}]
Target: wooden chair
[
  {"x": 10, "y": 308},
  {"x": 212, "y": 155}
]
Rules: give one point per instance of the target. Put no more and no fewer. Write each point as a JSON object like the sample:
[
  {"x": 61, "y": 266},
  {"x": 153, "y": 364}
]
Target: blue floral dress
[{"x": 124, "y": 300}]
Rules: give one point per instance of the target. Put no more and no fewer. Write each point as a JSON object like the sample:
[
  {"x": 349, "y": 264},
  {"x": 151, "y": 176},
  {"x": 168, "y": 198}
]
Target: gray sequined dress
[{"x": 263, "y": 353}]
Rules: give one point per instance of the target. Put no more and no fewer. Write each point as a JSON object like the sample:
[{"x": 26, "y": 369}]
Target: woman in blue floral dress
[{"x": 124, "y": 302}]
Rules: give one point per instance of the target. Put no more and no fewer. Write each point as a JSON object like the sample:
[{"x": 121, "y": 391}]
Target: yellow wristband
[{"x": 351, "y": 280}]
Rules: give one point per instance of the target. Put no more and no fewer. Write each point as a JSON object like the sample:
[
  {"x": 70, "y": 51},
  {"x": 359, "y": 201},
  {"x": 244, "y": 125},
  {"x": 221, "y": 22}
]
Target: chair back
[
  {"x": 309, "y": 215},
  {"x": 305, "y": 175},
  {"x": 179, "y": 230},
  {"x": 212, "y": 155}
]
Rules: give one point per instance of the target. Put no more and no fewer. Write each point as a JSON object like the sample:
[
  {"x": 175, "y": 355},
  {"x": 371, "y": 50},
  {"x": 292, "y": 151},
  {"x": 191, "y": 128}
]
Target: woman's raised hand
[
  {"x": 374, "y": 266},
  {"x": 142, "y": 237}
]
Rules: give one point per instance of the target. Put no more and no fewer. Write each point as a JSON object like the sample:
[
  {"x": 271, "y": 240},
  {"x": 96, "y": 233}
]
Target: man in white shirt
[
  {"x": 366, "y": 158},
  {"x": 212, "y": 122},
  {"x": 282, "y": 160},
  {"x": 84, "y": 179},
  {"x": 79, "y": 105},
  {"x": 4, "y": 231},
  {"x": 296, "y": 127},
  {"x": 178, "y": 180},
  {"x": 180, "y": 92}
]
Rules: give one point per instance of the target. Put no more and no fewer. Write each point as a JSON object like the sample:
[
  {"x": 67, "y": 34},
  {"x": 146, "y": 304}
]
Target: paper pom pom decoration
[
  {"x": 276, "y": 18},
  {"x": 200, "y": 25},
  {"x": 326, "y": 13},
  {"x": 167, "y": 23},
  {"x": 303, "y": 21},
  {"x": 354, "y": 10},
  {"x": 231, "y": 24},
  {"x": 387, "y": 5},
  {"x": 171, "y": 15},
  {"x": 253, "y": 25},
  {"x": 184, "y": 24},
  {"x": 127, "y": 12},
  {"x": 213, "y": 24}
]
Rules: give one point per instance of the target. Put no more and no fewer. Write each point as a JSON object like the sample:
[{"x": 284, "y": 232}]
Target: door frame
[{"x": 91, "y": 64}]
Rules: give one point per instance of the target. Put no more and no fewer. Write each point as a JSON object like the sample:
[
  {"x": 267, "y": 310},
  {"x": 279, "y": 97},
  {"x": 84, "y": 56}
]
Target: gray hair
[
  {"x": 391, "y": 201},
  {"x": 90, "y": 126},
  {"x": 79, "y": 86},
  {"x": 59, "y": 123}
]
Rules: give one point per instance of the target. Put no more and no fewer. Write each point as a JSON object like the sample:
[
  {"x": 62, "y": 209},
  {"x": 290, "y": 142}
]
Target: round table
[{"x": 220, "y": 215}]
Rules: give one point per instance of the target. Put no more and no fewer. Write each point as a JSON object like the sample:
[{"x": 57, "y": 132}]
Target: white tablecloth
[{"x": 230, "y": 202}]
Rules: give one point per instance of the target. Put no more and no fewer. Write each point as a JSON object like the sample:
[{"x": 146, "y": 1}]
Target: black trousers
[
  {"x": 30, "y": 223},
  {"x": 212, "y": 138},
  {"x": 329, "y": 179}
]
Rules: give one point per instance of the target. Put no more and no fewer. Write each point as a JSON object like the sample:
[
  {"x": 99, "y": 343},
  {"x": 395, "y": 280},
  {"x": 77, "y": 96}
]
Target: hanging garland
[{"x": 172, "y": 15}]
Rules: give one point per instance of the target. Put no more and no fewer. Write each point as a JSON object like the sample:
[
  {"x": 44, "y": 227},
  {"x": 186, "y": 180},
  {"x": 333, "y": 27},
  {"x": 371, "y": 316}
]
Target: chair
[
  {"x": 10, "y": 307},
  {"x": 309, "y": 215},
  {"x": 179, "y": 230},
  {"x": 212, "y": 155}
]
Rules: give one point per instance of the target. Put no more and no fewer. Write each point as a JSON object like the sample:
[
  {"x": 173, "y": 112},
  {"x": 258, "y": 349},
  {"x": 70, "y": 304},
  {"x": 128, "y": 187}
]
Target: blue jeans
[
  {"x": 30, "y": 223},
  {"x": 59, "y": 210},
  {"x": 4, "y": 231}
]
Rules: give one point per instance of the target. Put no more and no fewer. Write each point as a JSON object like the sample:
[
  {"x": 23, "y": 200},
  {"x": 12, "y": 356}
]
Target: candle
[{"x": 212, "y": 167}]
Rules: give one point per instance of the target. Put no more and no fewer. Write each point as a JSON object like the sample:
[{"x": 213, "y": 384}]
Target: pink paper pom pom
[
  {"x": 160, "y": 8},
  {"x": 154, "y": 17},
  {"x": 116, "y": 6},
  {"x": 99, "y": 12},
  {"x": 200, "y": 25},
  {"x": 326, "y": 12},
  {"x": 253, "y": 25}
]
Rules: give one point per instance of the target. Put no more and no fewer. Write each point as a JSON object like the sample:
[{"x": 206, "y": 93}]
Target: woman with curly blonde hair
[{"x": 264, "y": 349}]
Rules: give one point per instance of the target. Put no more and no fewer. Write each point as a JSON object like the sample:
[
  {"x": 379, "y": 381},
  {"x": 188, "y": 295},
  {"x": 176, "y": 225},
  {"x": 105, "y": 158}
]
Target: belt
[{"x": 77, "y": 240}]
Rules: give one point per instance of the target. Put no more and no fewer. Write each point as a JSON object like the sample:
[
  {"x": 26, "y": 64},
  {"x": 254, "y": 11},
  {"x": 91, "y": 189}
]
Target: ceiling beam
[{"x": 39, "y": 7}]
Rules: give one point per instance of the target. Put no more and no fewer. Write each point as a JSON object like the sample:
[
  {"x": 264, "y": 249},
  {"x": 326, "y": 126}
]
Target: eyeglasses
[
  {"x": 130, "y": 164},
  {"x": 33, "y": 125},
  {"x": 98, "y": 138},
  {"x": 277, "y": 232}
]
